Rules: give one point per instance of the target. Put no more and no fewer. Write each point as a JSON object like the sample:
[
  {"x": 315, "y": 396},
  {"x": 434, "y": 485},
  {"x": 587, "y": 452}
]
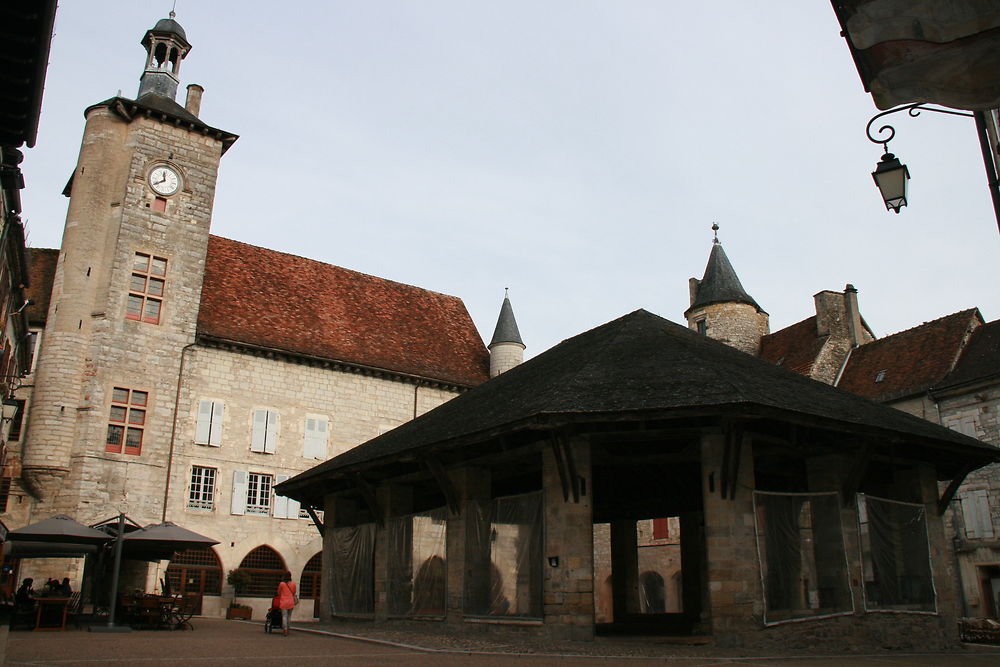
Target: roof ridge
[
  {"x": 336, "y": 266},
  {"x": 967, "y": 311}
]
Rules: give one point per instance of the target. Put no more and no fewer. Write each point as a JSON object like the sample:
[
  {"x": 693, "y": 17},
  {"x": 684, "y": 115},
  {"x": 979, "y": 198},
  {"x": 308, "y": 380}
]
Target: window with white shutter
[
  {"x": 239, "y": 503},
  {"x": 976, "y": 513},
  {"x": 209, "y": 429},
  {"x": 314, "y": 445},
  {"x": 264, "y": 433},
  {"x": 284, "y": 508}
]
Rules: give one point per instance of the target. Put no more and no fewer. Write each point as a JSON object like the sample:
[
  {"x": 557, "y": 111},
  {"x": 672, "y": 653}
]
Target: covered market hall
[{"x": 643, "y": 478}]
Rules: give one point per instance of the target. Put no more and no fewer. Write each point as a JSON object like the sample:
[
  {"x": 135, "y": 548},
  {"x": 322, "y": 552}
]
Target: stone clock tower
[{"x": 125, "y": 297}]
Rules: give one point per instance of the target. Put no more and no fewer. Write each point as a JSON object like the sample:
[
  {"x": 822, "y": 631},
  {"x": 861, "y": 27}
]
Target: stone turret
[
  {"x": 721, "y": 308},
  {"x": 506, "y": 348}
]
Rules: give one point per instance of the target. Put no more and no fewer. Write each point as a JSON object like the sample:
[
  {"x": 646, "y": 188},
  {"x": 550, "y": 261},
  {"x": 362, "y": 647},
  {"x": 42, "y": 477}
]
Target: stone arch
[
  {"x": 430, "y": 587},
  {"x": 265, "y": 568},
  {"x": 197, "y": 571},
  {"x": 311, "y": 580}
]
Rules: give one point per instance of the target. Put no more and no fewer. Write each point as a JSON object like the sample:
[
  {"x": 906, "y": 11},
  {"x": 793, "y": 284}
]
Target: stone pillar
[
  {"x": 624, "y": 569},
  {"x": 568, "y": 593},
  {"x": 467, "y": 566},
  {"x": 693, "y": 566},
  {"x": 736, "y": 603}
]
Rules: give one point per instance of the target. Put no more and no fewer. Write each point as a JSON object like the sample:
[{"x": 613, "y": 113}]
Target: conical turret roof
[
  {"x": 506, "y": 331},
  {"x": 720, "y": 283}
]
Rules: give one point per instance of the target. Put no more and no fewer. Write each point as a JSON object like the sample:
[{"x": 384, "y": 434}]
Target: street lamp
[{"x": 892, "y": 177}]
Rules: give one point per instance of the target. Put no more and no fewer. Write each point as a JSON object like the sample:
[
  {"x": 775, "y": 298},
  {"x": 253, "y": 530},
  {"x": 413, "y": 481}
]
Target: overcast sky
[{"x": 576, "y": 151}]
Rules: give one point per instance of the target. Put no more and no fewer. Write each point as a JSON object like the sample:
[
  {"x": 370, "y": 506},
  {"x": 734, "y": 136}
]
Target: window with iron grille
[
  {"x": 15, "y": 426},
  {"x": 4, "y": 493},
  {"x": 266, "y": 570},
  {"x": 195, "y": 571},
  {"x": 309, "y": 584},
  {"x": 201, "y": 494},
  {"x": 259, "y": 493},
  {"x": 146, "y": 286},
  {"x": 126, "y": 421}
]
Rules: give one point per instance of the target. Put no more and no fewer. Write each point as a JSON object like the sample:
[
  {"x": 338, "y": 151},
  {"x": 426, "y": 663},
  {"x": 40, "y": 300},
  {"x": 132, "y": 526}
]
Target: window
[
  {"x": 15, "y": 426},
  {"x": 661, "y": 529},
  {"x": 310, "y": 582},
  {"x": 264, "y": 434},
  {"x": 880, "y": 376},
  {"x": 252, "y": 493},
  {"x": 976, "y": 513},
  {"x": 314, "y": 446},
  {"x": 145, "y": 296},
  {"x": 266, "y": 569},
  {"x": 4, "y": 492},
  {"x": 196, "y": 571},
  {"x": 209, "y": 428},
  {"x": 201, "y": 494},
  {"x": 284, "y": 508},
  {"x": 964, "y": 425},
  {"x": 702, "y": 327},
  {"x": 127, "y": 421}
]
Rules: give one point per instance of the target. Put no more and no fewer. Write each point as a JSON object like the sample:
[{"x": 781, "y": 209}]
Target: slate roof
[
  {"x": 41, "y": 273},
  {"x": 269, "y": 299},
  {"x": 795, "y": 347},
  {"x": 642, "y": 366},
  {"x": 914, "y": 360},
  {"x": 506, "y": 330},
  {"x": 720, "y": 284},
  {"x": 980, "y": 360}
]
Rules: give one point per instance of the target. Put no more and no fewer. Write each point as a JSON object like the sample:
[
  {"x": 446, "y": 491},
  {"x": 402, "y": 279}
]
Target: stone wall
[{"x": 737, "y": 324}]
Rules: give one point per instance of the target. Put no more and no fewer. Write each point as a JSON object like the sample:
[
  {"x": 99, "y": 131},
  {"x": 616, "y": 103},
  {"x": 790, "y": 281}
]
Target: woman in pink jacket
[{"x": 287, "y": 599}]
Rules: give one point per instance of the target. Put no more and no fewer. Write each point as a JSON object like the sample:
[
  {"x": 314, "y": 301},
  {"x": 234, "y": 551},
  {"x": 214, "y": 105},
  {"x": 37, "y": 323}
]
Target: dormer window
[{"x": 880, "y": 375}]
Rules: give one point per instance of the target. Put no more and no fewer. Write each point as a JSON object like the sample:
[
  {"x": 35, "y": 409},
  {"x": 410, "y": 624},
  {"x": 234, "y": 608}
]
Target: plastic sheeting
[
  {"x": 417, "y": 582},
  {"x": 353, "y": 570},
  {"x": 803, "y": 562},
  {"x": 895, "y": 553},
  {"x": 504, "y": 558}
]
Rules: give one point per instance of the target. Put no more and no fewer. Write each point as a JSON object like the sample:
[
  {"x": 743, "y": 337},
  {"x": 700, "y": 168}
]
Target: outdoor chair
[
  {"x": 23, "y": 616},
  {"x": 187, "y": 607},
  {"x": 149, "y": 613}
]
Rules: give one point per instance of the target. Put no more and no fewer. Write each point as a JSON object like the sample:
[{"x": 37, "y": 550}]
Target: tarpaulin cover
[
  {"x": 353, "y": 569},
  {"x": 504, "y": 558},
  {"x": 803, "y": 562},
  {"x": 416, "y": 557},
  {"x": 896, "y": 556}
]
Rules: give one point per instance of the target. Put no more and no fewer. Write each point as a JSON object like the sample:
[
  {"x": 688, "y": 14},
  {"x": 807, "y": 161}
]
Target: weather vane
[{"x": 715, "y": 231}]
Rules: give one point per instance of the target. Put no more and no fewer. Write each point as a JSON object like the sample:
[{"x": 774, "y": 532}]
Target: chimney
[
  {"x": 193, "y": 102},
  {"x": 853, "y": 315},
  {"x": 693, "y": 284}
]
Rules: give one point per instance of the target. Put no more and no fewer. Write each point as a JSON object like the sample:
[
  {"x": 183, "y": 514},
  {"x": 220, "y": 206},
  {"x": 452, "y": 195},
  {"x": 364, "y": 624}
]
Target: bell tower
[
  {"x": 125, "y": 295},
  {"x": 166, "y": 46}
]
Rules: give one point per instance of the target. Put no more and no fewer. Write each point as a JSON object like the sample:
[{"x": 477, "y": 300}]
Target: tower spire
[
  {"x": 506, "y": 347},
  {"x": 166, "y": 46}
]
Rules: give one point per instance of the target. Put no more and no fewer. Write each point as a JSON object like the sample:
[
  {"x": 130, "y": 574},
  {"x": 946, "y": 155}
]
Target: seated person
[
  {"x": 25, "y": 597},
  {"x": 64, "y": 590}
]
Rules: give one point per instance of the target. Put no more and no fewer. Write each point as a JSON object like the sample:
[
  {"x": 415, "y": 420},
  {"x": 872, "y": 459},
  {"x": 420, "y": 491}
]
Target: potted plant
[
  {"x": 238, "y": 579},
  {"x": 239, "y": 611}
]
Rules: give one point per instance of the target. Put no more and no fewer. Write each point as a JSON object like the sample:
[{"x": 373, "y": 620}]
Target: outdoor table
[{"x": 50, "y": 613}]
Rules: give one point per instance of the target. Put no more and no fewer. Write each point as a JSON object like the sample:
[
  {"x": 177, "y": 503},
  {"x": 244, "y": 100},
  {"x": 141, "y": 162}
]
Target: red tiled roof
[
  {"x": 270, "y": 299},
  {"x": 795, "y": 347},
  {"x": 41, "y": 272},
  {"x": 981, "y": 358},
  {"x": 913, "y": 360}
]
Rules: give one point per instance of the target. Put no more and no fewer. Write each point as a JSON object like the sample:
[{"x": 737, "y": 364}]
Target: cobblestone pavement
[{"x": 220, "y": 642}]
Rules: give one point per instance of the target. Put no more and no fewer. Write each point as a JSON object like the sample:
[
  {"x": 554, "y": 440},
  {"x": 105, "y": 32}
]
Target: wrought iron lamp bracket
[{"x": 914, "y": 111}]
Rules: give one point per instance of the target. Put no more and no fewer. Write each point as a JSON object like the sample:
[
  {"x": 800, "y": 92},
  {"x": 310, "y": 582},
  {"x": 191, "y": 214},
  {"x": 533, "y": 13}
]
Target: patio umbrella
[
  {"x": 33, "y": 549},
  {"x": 160, "y": 541},
  {"x": 59, "y": 529}
]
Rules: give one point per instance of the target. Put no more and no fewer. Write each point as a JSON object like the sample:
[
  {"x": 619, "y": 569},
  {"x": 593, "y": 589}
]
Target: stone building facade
[{"x": 181, "y": 376}]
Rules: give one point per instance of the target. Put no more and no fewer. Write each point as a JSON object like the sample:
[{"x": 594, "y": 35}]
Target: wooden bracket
[
  {"x": 316, "y": 520},
  {"x": 367, "y": 492},
  {"x": 566, "y": 465},
  {"x": 952, "y": 489},
  {"x": 440, "y": 475},
  {"x": 856, "y": 475}
]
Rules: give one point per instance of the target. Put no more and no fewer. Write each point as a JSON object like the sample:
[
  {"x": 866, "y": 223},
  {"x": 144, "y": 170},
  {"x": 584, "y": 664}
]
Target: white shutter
[
  {"x": 293, "y": 509},
  {"x": 280, "y": 508},
  {"x": 239, "y": 505},
  {"x": 976, "y": 510},
  {"x": 215, "y": 432},
  {"x": 271, "y": 433},
  {"x": 259, "y": 431},
  {"x": 202, "y": 431},
  {"x": 314, "y": 445}
]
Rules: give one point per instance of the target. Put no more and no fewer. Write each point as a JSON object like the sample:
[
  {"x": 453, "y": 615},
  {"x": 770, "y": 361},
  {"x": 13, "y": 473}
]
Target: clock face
[{"x": 164, "y": 180}]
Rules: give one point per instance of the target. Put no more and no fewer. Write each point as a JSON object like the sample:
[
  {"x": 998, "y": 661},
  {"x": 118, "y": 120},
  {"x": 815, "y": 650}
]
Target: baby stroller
[{"x": 272, "y": 620}]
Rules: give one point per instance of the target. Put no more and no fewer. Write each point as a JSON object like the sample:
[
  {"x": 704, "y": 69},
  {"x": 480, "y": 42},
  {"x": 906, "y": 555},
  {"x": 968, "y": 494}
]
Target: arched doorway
[
  {"x": 195, "y": 572},
  {"x": 266, "y": 569},
  {"x": 310, "y": 582},
  {"x": 652, "y": 593}
]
